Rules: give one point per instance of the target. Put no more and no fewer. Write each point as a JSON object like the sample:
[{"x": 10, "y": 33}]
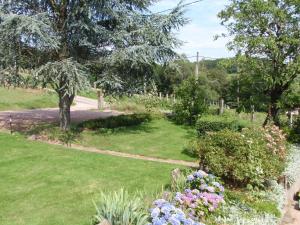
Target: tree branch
[{"x": 53, "y": 5}]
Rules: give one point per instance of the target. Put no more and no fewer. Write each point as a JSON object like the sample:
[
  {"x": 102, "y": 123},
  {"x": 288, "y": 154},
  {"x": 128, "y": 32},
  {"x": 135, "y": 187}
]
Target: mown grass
[
  {"x": 18, "y": 98},
  {"x": 49, "y": 185},
  {"x": 158, "y": 138}
]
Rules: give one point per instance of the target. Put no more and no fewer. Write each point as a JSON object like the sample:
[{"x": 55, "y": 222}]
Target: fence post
[
  {"x": 252, "y": 113},
  {"x": 221, "y": 106},
  {"x": 100, "y": 99},
  {"x": 160, "y": 95},
  {"x": 167, "y": 96},
  {"x": 291, "y": 119}
]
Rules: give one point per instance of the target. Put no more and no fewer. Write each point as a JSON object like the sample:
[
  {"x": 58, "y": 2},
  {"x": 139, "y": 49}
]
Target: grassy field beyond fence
[{"x": 19, "y": 98}]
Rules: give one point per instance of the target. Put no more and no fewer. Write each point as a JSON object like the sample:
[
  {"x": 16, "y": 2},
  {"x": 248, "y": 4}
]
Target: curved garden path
[
  {"x": 127, "y": 155},
  {"x": 84, "y": 109}
]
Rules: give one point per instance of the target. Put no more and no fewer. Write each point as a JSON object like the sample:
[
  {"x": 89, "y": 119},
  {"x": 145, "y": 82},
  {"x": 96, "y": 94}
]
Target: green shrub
[
  {"x": 149, "y": 103},
  {"x": 242, "y": 159},
  {"x": 210, "y": 123},
  {"x": 258, "y": 203},
  {"x": 293, "y": 134},
  {"x": 191, "y": 102},
  {"x": 120, "y": 208},
  {"x": 116, "y": 121}
]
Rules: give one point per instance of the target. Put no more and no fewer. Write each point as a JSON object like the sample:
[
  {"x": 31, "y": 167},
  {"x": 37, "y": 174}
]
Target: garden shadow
[{"x": 131, "y": 123}]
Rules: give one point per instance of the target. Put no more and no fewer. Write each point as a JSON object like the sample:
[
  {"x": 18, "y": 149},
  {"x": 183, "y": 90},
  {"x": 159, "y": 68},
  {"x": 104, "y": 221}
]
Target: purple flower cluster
[
  {"x": 204, "y": 182},
  {"x": 198, "y": 204},
  {"x": 164, "y": 213},
  {"x": 203, "y": 196}
]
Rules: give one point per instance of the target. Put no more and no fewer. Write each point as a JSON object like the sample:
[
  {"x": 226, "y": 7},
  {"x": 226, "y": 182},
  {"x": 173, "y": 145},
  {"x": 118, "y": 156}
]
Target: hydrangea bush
[
  {"x": 165, "y": 213},
  {"x": 198, "y": 204},
  {"x": 202, "y": 196},
  {"x": 204, "y": 182}
]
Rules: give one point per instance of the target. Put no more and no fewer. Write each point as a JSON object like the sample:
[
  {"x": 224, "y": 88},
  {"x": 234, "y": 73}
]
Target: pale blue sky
[{"x": 204, "y": 24}]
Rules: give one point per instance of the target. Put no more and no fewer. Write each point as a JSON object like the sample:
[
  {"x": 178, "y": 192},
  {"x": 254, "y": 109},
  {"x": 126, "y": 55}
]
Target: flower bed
[{"x": 202, "y": 197}]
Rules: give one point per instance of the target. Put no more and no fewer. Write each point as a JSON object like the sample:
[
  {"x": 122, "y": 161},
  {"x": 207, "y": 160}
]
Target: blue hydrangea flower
[{"x": 190, "y": 177}]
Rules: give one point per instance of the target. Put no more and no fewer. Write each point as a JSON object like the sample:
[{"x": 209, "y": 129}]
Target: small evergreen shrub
[
  {"x": 245, "y": 159},
  {"x": 116, "y": 121},
  {"x": 190, "y": 102},
  {"x": 212, "y": 123}
]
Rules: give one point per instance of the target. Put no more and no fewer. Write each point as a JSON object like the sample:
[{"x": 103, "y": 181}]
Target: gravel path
[
  {"x": 84, "y": 109},
  {"x": 291, "y": 210}
]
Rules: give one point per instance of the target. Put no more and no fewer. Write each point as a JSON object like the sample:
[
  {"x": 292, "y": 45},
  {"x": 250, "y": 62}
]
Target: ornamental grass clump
[{"x": 121, "y": 208}]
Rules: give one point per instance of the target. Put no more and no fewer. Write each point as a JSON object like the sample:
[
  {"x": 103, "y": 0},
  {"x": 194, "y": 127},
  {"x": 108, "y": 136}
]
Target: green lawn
[
  {"x": 48, "y": 185},
  {"x": 158, "y": 138},
  {"x": 18, "y": 98}
]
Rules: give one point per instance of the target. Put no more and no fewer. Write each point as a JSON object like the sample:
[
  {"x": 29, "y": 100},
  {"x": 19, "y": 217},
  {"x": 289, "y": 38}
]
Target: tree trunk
[
  {"x": 273, "y": 111},
  {"x": 65, "y": 103}
]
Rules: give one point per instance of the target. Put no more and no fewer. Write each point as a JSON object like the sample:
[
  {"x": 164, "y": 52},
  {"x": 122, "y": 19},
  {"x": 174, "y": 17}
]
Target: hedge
[
  {"x": 213, "y": 123},
  {"x": 115, "y": 121}
]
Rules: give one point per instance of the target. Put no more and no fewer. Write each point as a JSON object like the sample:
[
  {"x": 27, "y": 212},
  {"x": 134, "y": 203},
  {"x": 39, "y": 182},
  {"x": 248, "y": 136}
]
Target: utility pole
[
  {"x": 238, "y": 82},
  {"x": 197, "y": 67},
  {"x": 238, "y": 91}
]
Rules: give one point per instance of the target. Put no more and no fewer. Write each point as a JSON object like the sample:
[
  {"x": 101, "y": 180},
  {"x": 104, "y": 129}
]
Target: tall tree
[
  {"x": 84, "y": 31},
  {"x": 267, "y": 34}
]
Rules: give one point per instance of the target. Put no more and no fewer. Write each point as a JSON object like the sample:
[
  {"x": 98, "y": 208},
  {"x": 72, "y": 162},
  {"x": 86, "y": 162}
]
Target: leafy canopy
[{"x": 266, "y": 35}]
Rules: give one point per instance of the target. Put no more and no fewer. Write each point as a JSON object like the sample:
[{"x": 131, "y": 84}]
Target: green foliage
[
  {"x": 191, "y": 102},
  {"x": 120, "y": 208},
  {"x": 64, "y": 37},
  {"x": 68, "y": 71},
  {"x": 249, "y": 88},
  {"x": 179, "y": 184},
  {"x": 18, "y": 34},
  {"x": 242, "y": 159},
  {"x": 293, "y": 133},
  {"x": 212, "y": 123},
  {"x": 116, "y": 121},
  {"x": 169, "y": 76},
  {"x": 140, "y": 104},
  {"x": 260, "y": 203},
  {"x": 291, "y": 98},
  {"x": 266, "y": 36},
  {"x": 267, "y": 207}
]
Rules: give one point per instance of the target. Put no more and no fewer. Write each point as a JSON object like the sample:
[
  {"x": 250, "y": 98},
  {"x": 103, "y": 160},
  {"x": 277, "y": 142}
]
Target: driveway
[{"x": 84, "y": 109}]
